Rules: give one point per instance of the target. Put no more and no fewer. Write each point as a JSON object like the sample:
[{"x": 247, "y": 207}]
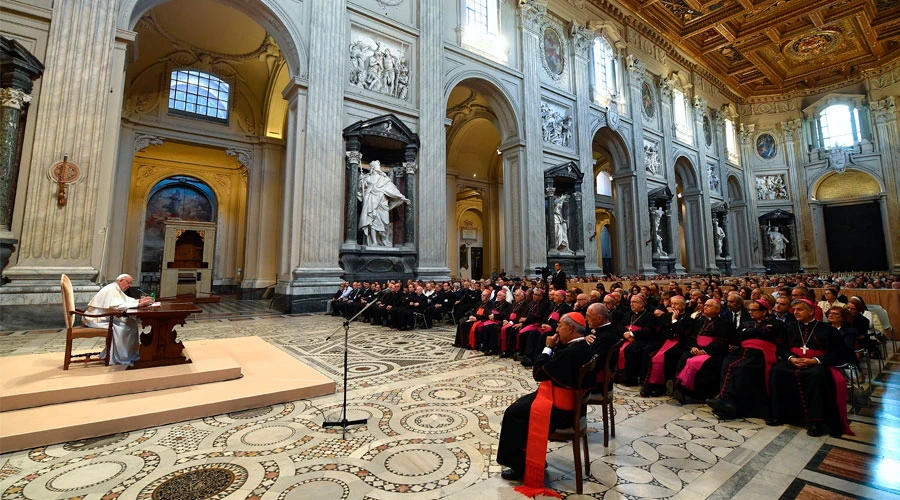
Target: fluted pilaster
[{"x": 533, "y": 17}]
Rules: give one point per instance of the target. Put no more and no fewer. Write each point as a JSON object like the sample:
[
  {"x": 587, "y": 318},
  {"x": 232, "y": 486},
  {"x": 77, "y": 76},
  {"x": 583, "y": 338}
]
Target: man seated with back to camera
[{"x": 557, "y": 366}]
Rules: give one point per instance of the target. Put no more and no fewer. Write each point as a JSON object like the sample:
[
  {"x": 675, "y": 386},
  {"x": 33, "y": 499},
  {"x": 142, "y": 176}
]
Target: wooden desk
[{"x": 159, "y": 346}]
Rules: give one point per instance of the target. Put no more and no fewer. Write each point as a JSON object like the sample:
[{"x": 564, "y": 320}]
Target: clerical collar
[
  {"x": 604, "y": 324},
  {"x": 576, "y": 339}
]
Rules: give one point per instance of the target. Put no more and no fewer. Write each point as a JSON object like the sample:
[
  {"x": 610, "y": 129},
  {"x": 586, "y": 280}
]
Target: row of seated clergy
[{"x": 527, "y": 422}]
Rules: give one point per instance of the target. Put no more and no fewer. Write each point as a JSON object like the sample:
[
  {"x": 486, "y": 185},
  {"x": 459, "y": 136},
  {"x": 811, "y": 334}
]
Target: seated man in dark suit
[{"x": 556, "y": 367}]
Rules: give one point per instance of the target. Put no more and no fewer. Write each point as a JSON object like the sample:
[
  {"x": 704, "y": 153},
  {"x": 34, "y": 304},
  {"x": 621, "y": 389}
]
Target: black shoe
[
  {"x": 511, "y": 474},
  {"x": 670, "y": 387},
  {"x": 815, "y": 429},
  {"x": 646, "y": 392},
  {"x": 527, "y": 361},
  {"x": 504, "y": 354},
  {"x": 679, "y": 395},
  {"x": 773, "y": 421},
  {"x": 724, "y": 409}
]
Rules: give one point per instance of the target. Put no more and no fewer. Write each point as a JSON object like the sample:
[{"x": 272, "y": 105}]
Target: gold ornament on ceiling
[{"x": 813, "y": 45}]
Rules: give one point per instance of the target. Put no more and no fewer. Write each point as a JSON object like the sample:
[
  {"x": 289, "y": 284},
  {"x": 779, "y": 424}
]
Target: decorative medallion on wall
[
  {"x": 707, "y": 130},
  {"x": 771, "y": 187},
  {"x": 814, "y": 45},
  {"x": 612, "y": 114},
  {"x": 553, "y": 54},
  {"x": 766, "y": 147},
  {"x": 838, "y": 159},
  {"x": 648, "y": 105}
]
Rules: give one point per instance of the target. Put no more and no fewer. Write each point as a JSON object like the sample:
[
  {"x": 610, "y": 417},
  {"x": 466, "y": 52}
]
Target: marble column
[
  {"x": 11, "y": 103},
  {"x": 263, "y": 207},
  {"x": 351, "y": 225},
  {"x": 432, "y": 161},
  {"x": 579, "y": 223},
  {"x": 582, "y": 40},
  {"x": 638, "y": 254},
  {"x": 513, "y": 211},
  {"x": 803, "y": 222},
  {"x": 757, "y": 242},
  {"x": 534, "y": 220},
  {"x": 549, "y": 202},
  {"x": 409, "y": 222},
  {"x": 709, "y": 232},
  {"x": 888, "y": 137},
  {"x": 73, "y": 120},
  {"x": 317, "y": 273}
]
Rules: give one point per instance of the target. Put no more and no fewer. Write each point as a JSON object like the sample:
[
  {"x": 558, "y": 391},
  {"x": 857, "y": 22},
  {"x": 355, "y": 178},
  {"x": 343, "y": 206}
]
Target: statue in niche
[
  {"x": 720, "y": 239},
  {"x": 777, "y": 243},
  {"x": 656, "y": 216},
  {"x": 378, "y": 196},
  {"x": 560, "y": 224}
]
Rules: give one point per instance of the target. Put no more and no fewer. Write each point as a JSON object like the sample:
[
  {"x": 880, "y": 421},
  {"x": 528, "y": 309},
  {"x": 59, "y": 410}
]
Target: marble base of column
[
  {"x": 7, "y": 247},
  {"x": 308, "y": 291}
]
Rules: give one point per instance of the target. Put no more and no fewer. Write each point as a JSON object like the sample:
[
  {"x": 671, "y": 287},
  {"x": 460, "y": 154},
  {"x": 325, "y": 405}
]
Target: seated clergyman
[{"x": 125, "y": 330}]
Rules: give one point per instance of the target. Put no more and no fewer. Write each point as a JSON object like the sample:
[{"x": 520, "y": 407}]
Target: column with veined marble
[
  {"x": 531, "y": 185},
  {"x": 317, "y": 274},
  {"x": 582, "y": 39},
  {"x": 432, "y": 160},
  {"x": 887, "y": 130},
  {"x": 75, "y": 96}
]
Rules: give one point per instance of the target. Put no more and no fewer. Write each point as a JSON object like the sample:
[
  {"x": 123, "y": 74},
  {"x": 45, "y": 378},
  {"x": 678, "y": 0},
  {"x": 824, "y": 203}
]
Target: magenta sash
[
  {"x": 621, "y": 360},
  {"x": 657, "y": 363},
  {"x": 503, "y": 335},
  {"x": 768, "y": 350},
  {"x": 840, "y": 386},
  {"x": 554, "y": 316},
  {"x": 688, "y": 374}
]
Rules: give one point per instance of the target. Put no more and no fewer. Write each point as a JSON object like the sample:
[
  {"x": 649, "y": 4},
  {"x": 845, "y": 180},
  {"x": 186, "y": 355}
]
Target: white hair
[{"x": 123, "y": 276}]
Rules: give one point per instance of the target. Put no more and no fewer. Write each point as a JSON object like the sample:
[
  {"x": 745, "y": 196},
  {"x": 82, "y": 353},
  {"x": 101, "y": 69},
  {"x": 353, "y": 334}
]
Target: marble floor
[{"x": 433, "y": 416}]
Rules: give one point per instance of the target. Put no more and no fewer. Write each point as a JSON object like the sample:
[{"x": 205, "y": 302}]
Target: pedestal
[
  {"x": 378, "y": 264},
  {"x": 782, "y": 266},
  {"x": 724, "y": 265},
  {"x": 572, "y": 264},
  {"x": 664, "y": 265}
]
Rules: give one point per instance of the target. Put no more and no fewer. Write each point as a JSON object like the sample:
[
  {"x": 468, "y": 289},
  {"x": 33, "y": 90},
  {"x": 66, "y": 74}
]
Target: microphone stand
[{"x": 343, "y": 422}]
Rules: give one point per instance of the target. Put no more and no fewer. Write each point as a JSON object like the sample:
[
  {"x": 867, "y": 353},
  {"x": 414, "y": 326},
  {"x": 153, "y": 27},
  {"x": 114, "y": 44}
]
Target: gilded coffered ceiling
[{"x": 769, "y": 47}]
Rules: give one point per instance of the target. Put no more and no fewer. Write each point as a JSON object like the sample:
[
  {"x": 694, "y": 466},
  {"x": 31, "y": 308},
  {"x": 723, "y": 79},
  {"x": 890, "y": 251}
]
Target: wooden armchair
[
  {"x": 83, "y": 332},
  {"x": 578, "y": 432},
  {"x": 603, "y": 394}
]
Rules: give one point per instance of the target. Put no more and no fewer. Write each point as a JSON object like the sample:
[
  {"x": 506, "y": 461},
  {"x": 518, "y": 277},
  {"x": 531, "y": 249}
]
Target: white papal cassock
[{"x": 125, "y": 330}]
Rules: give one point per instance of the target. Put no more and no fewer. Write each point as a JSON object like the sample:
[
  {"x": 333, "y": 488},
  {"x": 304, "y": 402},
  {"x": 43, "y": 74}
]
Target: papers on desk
[{"x": 156, "y": 304}]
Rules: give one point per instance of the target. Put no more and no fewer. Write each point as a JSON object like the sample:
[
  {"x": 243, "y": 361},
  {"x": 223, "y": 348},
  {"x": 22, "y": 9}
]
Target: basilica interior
[{"x": 226, "y": 148}]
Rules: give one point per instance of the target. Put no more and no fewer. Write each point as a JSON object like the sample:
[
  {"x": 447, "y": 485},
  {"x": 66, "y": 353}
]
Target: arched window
[
  {"x": 731, "y": 142},
  {"x": 481, "y": 15},
  {"x": 683, "y": 130},
  {"x": 481, "y": 29},
  {"x": 839, "y": 126},
  {"x": 198, "y": 94},
  {"x": 606, "y": 73},
  {"x": 604, "y": 184}
]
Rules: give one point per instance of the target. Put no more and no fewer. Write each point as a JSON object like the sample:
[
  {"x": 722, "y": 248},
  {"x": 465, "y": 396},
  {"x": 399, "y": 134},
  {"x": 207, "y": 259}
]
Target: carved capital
[
  {"x": 354, "y": 158},
  {"x": 13, "y": 98},
  {"x": 582, "y": 38},
  {"x": 884, "y": 110},
  {"x": 534, "y": 13},
  {"x": 244, "y": 156},
  {"x": 746, "y": 133},
  {"x": 410, "y": 167},
  {"x": 142, "y": 141},
  {"x": 700, "y": 104},
  {"x": 667, "y": 85},
  {"x": 719, "y": 117},
  {"x": 791, "y": 129},
  {"x": 549, "y": 191},
  {"x": 636, "y": 68}
]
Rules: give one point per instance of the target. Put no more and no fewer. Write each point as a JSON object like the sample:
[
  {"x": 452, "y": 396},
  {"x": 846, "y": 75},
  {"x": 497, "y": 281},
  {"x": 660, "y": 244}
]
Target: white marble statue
[
  {"x": 379, "y": 68},
  {"x": 720, "y": 240},
  {"x": 378, "y": 196},
  {"x": 556, "y": 127},
  {"x": 560, "y": 224},
  {"x": 656, "y": 215},
  {"x": 777, "y": 243}
]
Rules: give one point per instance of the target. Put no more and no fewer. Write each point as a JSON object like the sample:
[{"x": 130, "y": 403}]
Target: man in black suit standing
[{"x": 559, "y": 277}]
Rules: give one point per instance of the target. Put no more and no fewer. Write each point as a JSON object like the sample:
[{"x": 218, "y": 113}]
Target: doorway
[{"x": 849, "y": 228}]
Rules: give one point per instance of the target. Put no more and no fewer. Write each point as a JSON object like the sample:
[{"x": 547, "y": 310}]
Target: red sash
[
  {"x": 840, "y": 386},
  {"x": 768, "y": 350},
  {"x": 657, "y": 363},
  {"x": 688, "y": 374},
  {"x": 548, "y": 397}
]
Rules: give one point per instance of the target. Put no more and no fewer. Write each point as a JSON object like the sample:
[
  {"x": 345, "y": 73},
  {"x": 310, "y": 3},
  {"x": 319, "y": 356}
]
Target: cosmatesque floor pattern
[{"x": 433, "y": 416}]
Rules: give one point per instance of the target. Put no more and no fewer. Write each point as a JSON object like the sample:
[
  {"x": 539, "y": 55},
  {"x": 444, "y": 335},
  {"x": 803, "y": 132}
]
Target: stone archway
[
  {"x": 737, "y": 230},
  {"x": 616, "y": 211},
  {"x": 691, "y": 247},
  {"x": 483, "y": 169}
]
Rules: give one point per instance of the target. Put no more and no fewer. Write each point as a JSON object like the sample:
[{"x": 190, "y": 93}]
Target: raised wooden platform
[{"x": 269, "y": 376}]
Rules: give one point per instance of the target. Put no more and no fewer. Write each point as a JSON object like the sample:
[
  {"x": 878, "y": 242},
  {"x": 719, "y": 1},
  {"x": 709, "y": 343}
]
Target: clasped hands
[
  {"x": 696, "y": 351},
  {"x": 803, "y": 362}
]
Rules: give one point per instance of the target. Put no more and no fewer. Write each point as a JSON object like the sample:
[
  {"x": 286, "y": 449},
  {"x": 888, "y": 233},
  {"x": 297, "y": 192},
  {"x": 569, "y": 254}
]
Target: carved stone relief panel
[
  {"x": 712, "y": 173},
  {"x": 652, "y": 162},
  {"x": 557, "y": 124},
  {"x": 771, "y": 187},
  {"x": 379, "y": 64}
]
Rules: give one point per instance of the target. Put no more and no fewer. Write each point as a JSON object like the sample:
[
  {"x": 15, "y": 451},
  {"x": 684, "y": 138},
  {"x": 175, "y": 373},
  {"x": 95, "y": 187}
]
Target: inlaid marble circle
[
  {"x": 198, "y": 481},
  {"x": 251, "y": 413},
  {"x": 89, "y": 474},
  {"x": 268, "y": 435},
  {"x": 369, "y": 368},
  {"x": 493, "y": 383},
  {"x": 319, "y": 488},
  {"x": 413, "y": 463},
  {"x": 95, "y": 443},
  {"x": 433, "y": 421}
]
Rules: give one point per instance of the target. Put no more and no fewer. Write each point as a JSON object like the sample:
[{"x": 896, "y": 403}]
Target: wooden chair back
[
  {"x": 578, "y": 432},
  {"x": 82, "y": 332}
]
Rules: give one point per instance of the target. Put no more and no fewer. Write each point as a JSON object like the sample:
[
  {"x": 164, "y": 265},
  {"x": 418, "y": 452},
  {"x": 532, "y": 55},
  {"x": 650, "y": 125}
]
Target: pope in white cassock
[{"x": 125, "y": 330}]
